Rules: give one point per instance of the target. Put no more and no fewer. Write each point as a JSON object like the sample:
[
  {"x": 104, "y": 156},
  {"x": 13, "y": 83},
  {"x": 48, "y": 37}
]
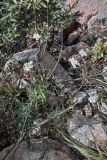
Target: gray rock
[
  {"x": 54, "y": 69},
  {"x": 54, "y": 100},
  {"x": 101, "y": 17},
  {"x": 27, "y": 55},
  {"x": 72, "y": 37},
  {"x": 92, "y": 12},
  {"x": 49, "y": 150},
  {"x": 93, "y": 96},
  {"x": 73, "y": 50},
  {"x": 103, "y": 108},
  {"x": 80, "y": 98},
  {"x": 88, "y": 37},
  {"x": 104, "y": 73},
  {"x": 87, "y": 132},
  {"x": 23, "y": 57},
  {"x": 58, "y": 73}
]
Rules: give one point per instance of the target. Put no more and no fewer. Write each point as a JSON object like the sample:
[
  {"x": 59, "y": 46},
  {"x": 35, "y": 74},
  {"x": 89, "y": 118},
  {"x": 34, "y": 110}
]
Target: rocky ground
[{"x": 78, "y": 72}]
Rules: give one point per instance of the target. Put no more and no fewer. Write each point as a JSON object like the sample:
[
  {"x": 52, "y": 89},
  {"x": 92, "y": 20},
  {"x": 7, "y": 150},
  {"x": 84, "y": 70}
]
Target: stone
[
  {"x": 100, "y": 18},
  {"x": 48, "y": 62},
  {"x": 58, "y": 73},
  {"x": 93, "y": 12},
  {"x": 26, "y": 56},
  {"x": 93, "y": 96},
  {"x": 72, "y": 38},
  {"x": 54, "y": 100},
  {"x": 47, "y": 150},
  {"x": 73, "y": 50},
  {"x": 89, "y": 37},
  {"x": 103, "y": 108},
  {"x": 104, "y": 73},
  {"x": 23, "y": 57},
  {"x": 88, "y": 132},
  {"x": 80, "y": 98}
]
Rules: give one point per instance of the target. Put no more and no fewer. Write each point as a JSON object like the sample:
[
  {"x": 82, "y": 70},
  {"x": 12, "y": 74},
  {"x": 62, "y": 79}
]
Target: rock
[
  {"x": 88, "y": 132},
  {"x": 54, "y": 100},
  {"x": 73, "y": 50},
  {"x": 104, "y": 73},
  {"x": 103, "y": 108},
  {"x": 100, "y": 18},
  {"x": 68, "y": 52},
  {"x": 23, "y": 57},
  {"x": 93, "y": 96},
  {"x": 80, "y": 98},
  {"x": 58, "y": 73},
  {"x": 49, "y": 150},
  {"x": 26, "y": 56},
  {"x": 92, "y": 12},
  {"x": 72, "y": 38},
  {"x": 48, "y": 62},
  {"x": 88, "y": 37}
]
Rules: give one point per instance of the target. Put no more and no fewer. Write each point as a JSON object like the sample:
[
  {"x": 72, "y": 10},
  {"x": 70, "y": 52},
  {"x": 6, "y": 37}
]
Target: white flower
[
  {"x": 74, "y": 62},
  {"x": 36, "y": 36},
  {"x": 82, "y": 53},
  {"x": 28, "y": 66}
]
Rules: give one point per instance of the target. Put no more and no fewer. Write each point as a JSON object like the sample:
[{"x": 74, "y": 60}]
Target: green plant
[
  {"x": 99, "y": 51},
  {"x": 22, "y": 22},
  {"x": 31, "y": 17},
  {"x": 24, "y": 108},
  {"x": 103, "y": 94},
  {"x": 20, "y": 18},
  {"x": 28, "y": 111}
]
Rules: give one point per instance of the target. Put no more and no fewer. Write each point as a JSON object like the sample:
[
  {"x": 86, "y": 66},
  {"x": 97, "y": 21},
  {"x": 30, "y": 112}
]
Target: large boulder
[
  {"x": 47, "y": 150},
  {"x": 93, "y": 12},
  {"x": 90, "y": 132}
]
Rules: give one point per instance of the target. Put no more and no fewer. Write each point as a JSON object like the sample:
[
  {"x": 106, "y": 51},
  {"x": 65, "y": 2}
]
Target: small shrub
[{"x": 99, "y": 51}]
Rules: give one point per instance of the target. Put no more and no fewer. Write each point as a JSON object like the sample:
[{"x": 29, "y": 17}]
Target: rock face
[
  {"x": 88, "y": 132},
  {"x": 49, "y": 150},
  {"x": 92, "y": 11}
]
